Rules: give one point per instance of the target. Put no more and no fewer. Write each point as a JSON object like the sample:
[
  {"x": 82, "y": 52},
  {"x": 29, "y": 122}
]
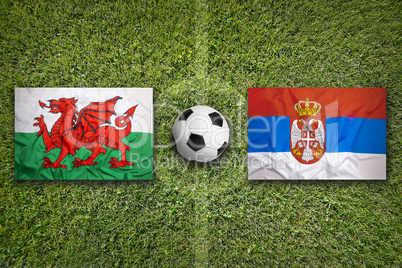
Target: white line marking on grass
[{"x": 200, "y": 244}]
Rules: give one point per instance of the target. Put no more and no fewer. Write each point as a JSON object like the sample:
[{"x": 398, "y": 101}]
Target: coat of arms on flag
[
  {"x": 307, "y": 135},
  {"x": 317, "y": 133},
  {"x": 91, "y": 133}
]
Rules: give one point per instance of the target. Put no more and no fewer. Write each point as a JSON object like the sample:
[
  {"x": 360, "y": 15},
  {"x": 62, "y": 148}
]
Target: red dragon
[{"x": 90, "y": 129}]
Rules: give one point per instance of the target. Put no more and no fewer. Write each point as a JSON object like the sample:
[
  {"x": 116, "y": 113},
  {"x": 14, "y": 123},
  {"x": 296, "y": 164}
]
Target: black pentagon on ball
[
  {"x": 216, "y": 119},
  {"x": 185, "y": 114},
  {"x": 196, "y": 142},
  {"x": 223, "y": 147}
]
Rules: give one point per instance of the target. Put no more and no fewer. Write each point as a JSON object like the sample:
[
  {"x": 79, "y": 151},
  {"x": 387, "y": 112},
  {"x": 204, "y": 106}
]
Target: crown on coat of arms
[{"x": 307, "y": 107}]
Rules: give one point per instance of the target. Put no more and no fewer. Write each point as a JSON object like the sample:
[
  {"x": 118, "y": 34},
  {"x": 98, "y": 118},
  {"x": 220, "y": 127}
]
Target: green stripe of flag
[{"x": 29, "y": 154}]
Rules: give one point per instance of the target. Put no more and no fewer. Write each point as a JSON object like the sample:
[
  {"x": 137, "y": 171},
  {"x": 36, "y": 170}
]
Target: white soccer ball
[{"x": 201, "y": 134}]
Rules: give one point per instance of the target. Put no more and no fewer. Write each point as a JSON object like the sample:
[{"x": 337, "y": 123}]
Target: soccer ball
[{"x": 201, "y": 134}]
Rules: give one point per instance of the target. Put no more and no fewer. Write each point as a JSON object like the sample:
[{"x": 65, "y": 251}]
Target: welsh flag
[{"x": 83, "y": 133}]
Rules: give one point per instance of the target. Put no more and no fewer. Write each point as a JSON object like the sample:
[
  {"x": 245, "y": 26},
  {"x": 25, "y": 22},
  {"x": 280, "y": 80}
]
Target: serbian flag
[
  {"x": 83, "y": 133},
  {"x": 317, "y": 133}
]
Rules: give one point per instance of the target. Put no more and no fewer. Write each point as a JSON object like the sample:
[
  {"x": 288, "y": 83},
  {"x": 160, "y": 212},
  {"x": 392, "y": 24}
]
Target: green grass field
[{"x": 201, "y": 53}]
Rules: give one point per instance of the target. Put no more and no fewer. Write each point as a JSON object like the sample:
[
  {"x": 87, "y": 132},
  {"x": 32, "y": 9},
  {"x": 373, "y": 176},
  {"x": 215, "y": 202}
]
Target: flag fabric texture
[
  {"x": 83, "y": 133},
  {"x": 317, "y": 133}
]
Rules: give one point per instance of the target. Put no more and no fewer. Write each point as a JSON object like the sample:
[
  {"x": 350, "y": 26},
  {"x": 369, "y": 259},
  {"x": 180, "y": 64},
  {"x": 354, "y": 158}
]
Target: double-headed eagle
[{"x": 296, "y": 136}]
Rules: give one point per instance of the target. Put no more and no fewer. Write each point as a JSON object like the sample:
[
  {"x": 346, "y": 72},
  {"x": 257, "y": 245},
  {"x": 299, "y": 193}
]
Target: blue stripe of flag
[
  {"x": 357, "y": 135},
  {"x": 342, "y": 134},
  {"x": 268, "y": 134}
]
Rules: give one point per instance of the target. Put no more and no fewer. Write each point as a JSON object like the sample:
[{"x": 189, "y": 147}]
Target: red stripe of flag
[{"x": 335, "y": 102}]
